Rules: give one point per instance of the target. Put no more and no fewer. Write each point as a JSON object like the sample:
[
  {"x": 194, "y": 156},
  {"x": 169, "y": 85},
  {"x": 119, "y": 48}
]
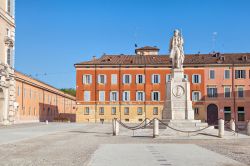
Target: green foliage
[{"x": 70, "y": 91}]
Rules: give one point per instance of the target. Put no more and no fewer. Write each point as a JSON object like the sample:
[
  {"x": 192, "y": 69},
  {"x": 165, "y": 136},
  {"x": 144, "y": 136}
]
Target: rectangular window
[
  {"x": 102, "y": 79},
  {"x": 126, "y": 78},
  {"x": 86, "y": 95},
  {"x": 240, "y": 91},
  {"x": 226, "y": 74},
  {"x": 196, "y": 78},
  {"x": 101, "y": 95},
  {"x": 9, "y": 56},
  {"x": 101, "y": 111},
  {"x": 113, "y": 96},
  {"x": 240, "y": 74},
  {"x": 212, "y": 92},
  {"x": 140, "y": 79},
  {"x": 168, "y": 77},
  {"x": 126, "y": 111},
  {"x": 139, "y": 96},
  {"x": 227, "y": 92},
  {"x": 155, "y": 111},
  {"x": 139, "y": 111},
  {"x": 227, "y": 113},
  {"x": 113, "y": 110},
  {"x": 156, "y": 79},
  {"x": 211, "y": 74},
  {"x": 114, "y": 79},
  {"x": 86, "y": 111},
  {"x": 196, "y": 111},
  {"x": 241, "y": 114},
  {"x": 155, "y": 96},
  {"x": 126, "y": 96},
  {"x": 9, "y": 6},
  {"x": 87, "y": 79},
  {"x": 196, "y": 95}
]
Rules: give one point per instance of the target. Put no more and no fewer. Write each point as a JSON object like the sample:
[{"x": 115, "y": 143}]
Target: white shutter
[
  {"x": 110, "y": 96},
  {"x": 98, "y": 79},
  {"x": 199, "y": 78},
  {"x": 113, "y": 79},
  {"x": 152, "y": 78},
  {"x": 83, "y": 79},
  {"x": 137, "y": 79},
  {"x": 130, "y": 79},
  {"x": 136, "y": 97},
  {"x": 152, "y": 96},
  {"x": 105, "y": 79},
  {"x": 123, "y": 79},
  {"x": 90, "y": 79},
  {"x": 193, "y": 78},
  {"x": 143, "y": 96},
  {"x": 159, "y": 78},
  {"x": 123, "y": 96},
  {"x": 128, "y": 96},
  {"x": 117, "y": 96},
  {"x": 143, "y": 79},
  {"x": 159, "y": 96}
]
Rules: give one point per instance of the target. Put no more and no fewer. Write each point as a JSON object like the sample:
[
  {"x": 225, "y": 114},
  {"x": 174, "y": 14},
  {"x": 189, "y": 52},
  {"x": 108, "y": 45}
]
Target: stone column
[
  {"x": 156, "y": 128},
  {"x": 232, "y": 125},
  {"x": 221, "y": 128}
]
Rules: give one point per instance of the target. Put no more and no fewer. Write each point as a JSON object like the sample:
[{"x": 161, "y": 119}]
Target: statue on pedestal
[{"x": 176, "y": 50}]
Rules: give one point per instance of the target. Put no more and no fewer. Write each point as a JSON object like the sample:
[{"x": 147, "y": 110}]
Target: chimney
[{"x": 94, "y": 57}]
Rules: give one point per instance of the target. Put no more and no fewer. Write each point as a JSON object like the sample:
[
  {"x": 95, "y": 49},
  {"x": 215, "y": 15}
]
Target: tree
[{"x": 70, "y": 91}]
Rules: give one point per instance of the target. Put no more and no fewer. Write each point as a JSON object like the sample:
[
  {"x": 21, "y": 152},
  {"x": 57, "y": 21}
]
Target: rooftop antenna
[{"x": 214, "y": 36}]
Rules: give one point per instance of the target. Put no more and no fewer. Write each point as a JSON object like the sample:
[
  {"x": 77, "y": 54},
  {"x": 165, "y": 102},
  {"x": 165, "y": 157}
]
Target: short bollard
[
  {"x": 115, "y": 125},
  {"x": 248, "y": 128},
  {"x": 156, "y": 128},
  {"x": 47, "y": 122},
  {"x": 232, "y": 125},
  {"x": 147, "y": 121},
  {"x": 221, "y": 128}
]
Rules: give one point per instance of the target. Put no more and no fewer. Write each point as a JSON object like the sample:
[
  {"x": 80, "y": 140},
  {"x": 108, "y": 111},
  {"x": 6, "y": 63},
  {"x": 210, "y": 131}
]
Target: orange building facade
[
  {"x": 38, "y": 102},
  {"x": 133, "y": 87}
]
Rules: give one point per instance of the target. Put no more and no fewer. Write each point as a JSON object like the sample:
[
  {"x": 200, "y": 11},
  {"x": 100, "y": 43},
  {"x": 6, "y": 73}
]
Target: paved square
[{"x": 160, "y": 154}]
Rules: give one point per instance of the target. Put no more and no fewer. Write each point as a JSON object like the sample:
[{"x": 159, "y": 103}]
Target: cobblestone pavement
[{"x": 74, "y": 144}]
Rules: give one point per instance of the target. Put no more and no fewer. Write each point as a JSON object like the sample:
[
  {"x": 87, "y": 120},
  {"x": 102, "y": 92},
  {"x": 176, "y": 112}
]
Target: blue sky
[{"x": 52, "y": 35}]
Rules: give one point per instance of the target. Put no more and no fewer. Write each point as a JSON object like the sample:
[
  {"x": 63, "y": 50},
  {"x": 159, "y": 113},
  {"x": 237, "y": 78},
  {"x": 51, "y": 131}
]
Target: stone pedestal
[{"x": 178, "y": 105}]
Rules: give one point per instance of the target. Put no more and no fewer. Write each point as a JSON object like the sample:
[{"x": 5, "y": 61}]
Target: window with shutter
[{"x": 114, "y": 79}]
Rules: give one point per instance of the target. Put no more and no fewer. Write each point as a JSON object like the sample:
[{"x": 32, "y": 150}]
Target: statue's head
[{"x": 176, "y": 32}]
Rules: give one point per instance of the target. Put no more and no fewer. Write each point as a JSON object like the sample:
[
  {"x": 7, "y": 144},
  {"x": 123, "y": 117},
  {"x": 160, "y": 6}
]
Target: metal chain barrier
[{"x": 137, "y": 127}]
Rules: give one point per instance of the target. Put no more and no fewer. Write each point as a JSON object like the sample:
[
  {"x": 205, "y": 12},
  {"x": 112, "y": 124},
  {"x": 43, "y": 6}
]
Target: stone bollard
[
  {"x": 147, "y": 121},
  {"x": 248, "y": 128},
  {"x": 156, "y": 128},
  {"x": 115, "y": 125},
  {"x": 221, "y": 128},
  {"x": 47, "y": 122},
  {"x": 232, "y": 125}
]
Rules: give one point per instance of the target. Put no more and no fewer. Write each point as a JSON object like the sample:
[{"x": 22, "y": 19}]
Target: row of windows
[
  {"x": 155, "y": 95},
  {"x": 212, "y": 92},
  {"x": 240, "y": 112},
  {"x": 140, "y": 96},
  {"x": 140, "y": 78},
  {"x": 239, "y": 74},
  {"x": 125, "y": 111}
]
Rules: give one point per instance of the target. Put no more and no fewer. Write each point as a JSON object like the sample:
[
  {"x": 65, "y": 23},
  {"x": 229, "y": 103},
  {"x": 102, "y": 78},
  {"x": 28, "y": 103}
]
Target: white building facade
[{"x": 8, "y": 106}]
